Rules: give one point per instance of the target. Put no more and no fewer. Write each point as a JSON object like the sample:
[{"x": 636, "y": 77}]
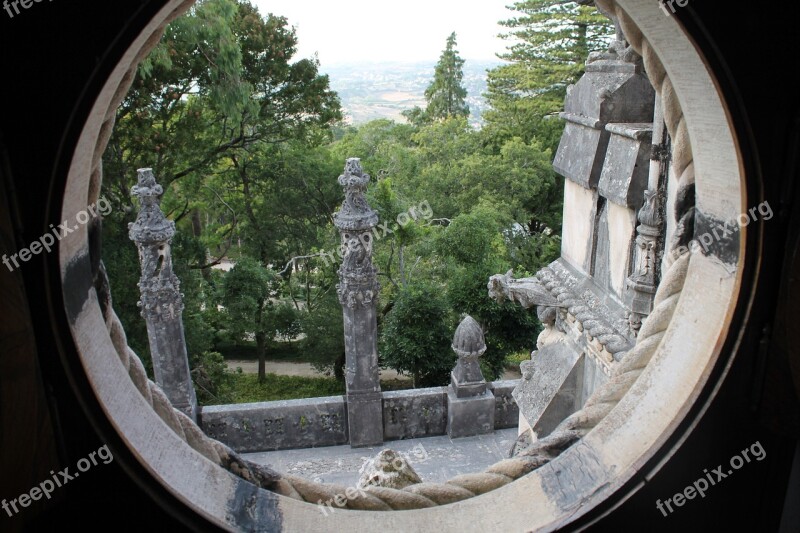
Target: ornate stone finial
[
  {"x": 643, "y": 281},
  {"x": 358, "y": 277},
  {"x": 161, "y": 302},
  {"x": 468, "y": 340},
  {"x": 355, "y": 214},
  {"x": 648, "y": 214},
  {"x": 151, "y": 225},
  {"x": 469, "y": 344},
  {"x": 152, "y": 232}
]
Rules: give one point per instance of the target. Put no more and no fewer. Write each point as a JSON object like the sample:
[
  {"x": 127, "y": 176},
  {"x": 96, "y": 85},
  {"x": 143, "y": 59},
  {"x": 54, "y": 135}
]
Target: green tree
[
  {"x": 222, "y": 87},
  {"x": 417, "y": 333},
  {"x": 221, "y": 80},
  {"x": 550, "y": 42},
  {"x": 475, "y": 247},
  {"x": 285, "y": 196},
  {"x": 508, "y": 327},
  {"x": 384, "y": 147},
  {"x": 324, "y": 335},
  {"x": 249, "y": 298},
  {"x": 445, "y": 95},
  {"x": 222, "y": 84},
  {"x": 211, "y": 378}
]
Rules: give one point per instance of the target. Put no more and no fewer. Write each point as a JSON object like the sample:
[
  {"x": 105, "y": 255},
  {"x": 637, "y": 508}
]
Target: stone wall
[
  {"x": 280, "y": 425},
  {"x": 316, "y": 422},
  {"x": 506, "y": 411},
  {"x": 409, "y": 414}
]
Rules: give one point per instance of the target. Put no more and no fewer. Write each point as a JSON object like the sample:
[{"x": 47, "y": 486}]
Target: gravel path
[{"x": 286, "y": 368}]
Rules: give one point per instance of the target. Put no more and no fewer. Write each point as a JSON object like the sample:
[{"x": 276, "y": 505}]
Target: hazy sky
[{"x": 402, "y": 30}]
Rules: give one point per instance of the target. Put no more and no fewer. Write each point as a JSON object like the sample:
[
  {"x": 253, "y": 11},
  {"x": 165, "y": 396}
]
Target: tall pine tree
[
  {"x": 550, "y": 41},
  {"x": 446, "y": 96}
]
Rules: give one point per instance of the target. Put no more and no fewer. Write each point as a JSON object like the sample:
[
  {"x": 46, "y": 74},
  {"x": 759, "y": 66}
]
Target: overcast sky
[{"x": 348, "y": 31}]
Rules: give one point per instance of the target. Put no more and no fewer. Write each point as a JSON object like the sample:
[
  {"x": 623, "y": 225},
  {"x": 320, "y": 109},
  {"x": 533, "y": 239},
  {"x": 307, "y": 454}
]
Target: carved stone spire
[
  {"x": 358, "y": 292},
  {"x": 643, "y": 281},
  {"x": 161, "y": 302},
  {"x": 358, "y": 278}
]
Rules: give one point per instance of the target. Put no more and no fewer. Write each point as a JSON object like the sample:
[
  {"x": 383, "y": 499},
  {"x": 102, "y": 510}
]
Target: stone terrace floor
[{"x": 435, "y": 459}]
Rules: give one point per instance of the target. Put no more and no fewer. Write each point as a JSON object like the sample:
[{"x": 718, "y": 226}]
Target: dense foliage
[
  {"x": 550, "y": 41},
  {"x": 416, "y": 335}
]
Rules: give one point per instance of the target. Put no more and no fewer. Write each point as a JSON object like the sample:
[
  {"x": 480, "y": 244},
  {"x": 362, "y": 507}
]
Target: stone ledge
[
  {"x": 409, "y": 414},
  {"x": 317, "y": 422},
  {"x": 278, "y": 425}
]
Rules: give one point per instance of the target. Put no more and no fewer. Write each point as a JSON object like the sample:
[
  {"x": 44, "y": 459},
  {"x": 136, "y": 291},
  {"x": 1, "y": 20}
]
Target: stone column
[
  {"x": 358, "y": 292},
  {"x": 161, "y": 301},
  {"x": 470, "y": 406}
]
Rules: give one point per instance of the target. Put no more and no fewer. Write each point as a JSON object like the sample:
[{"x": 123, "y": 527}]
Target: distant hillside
[{"x": 383, "y": 90}]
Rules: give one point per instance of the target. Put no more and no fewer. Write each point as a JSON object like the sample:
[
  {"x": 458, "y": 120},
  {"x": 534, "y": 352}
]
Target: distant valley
[{"x": 383, "y": 90}]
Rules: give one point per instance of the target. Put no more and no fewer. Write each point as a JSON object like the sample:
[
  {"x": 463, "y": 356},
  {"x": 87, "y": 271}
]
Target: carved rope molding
[
  {"x": 591, "y": 314},
  {"x": 527, "y": 459}
]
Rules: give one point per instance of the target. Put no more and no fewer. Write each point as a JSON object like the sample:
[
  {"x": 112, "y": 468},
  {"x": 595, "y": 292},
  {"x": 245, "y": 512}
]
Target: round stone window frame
[{"x": 606, "y": 460}]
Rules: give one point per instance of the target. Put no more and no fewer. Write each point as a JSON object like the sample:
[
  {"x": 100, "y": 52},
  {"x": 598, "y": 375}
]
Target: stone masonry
[
  {"x": 161, "y": 301},
  {"x": 358, "y": 293}
]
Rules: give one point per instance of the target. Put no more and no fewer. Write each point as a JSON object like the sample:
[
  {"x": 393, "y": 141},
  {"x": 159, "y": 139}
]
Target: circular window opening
[{"x": 617, "y": 430}]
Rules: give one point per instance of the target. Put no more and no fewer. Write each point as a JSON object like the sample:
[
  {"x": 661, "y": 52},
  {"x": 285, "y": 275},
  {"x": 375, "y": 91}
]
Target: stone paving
[{"x": 435, "y": 459}]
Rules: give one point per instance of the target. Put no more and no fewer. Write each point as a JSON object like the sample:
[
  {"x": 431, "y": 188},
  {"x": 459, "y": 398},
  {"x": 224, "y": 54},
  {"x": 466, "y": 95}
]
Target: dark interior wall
[{"x": 53, "y": 58}]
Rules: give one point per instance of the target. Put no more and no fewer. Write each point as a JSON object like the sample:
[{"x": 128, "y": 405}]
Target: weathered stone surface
[
  {"x": 436, "y": 459},
  {"x": 466, "y": 379},
  {"x": 387, "y": 469},
  {"x": 589, "y": 320},
  {"x": 610, "y": 91},
  {"x": 593, "y": 377},
  {"x": 528, "y": 292},
  {"x": 414, "y": 413},
  {"x": 600, "y": 270},
  {"x": 280, "y": 425},
  {"x": 621, "y": 229},
  {"x": 627, "y": 164},
  {"x": 315, "y": 422},
  {"x": 365, "y": 419},
  {"x": 583, "y": 152},
  {"x": 550, "y": 387},
  {"x": 469, "y": 416},
  {"x": 594, "y": 312},
  {"x": 506, "y": 410},
  {"x": 362, "y": 374},
  {"x": 578, "y": 230},
  {"x": 358, "y": 293},
  {"x": 161, "y": 301}
]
